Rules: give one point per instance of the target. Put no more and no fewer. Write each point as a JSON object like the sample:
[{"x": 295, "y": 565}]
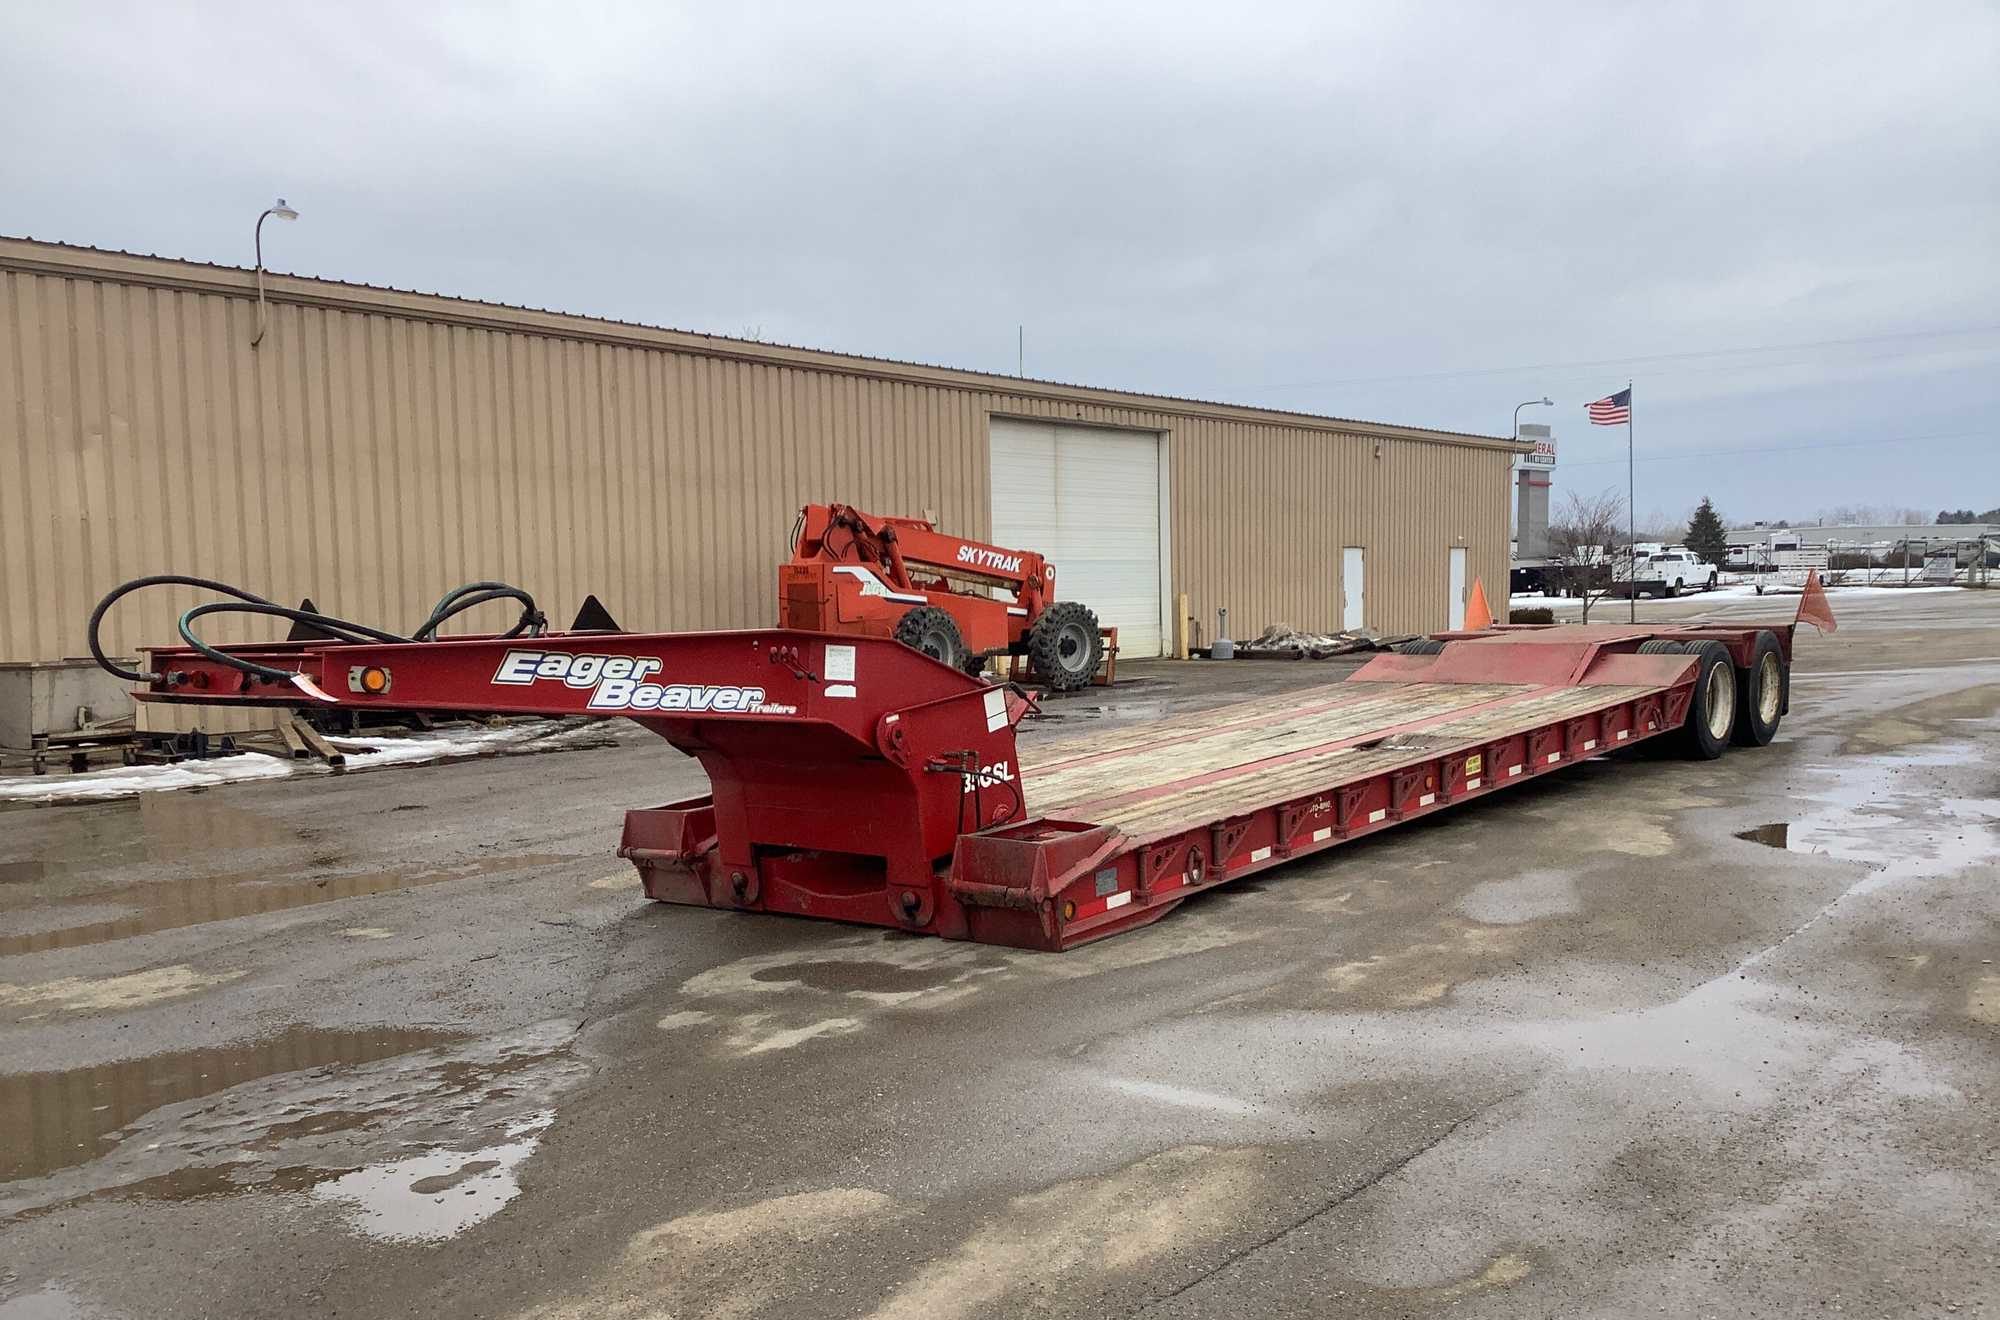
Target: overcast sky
[{"x": 1781, "y": 221}]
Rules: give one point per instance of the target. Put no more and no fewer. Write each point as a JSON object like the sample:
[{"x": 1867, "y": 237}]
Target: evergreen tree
[{"x": 1706, "y": 535}]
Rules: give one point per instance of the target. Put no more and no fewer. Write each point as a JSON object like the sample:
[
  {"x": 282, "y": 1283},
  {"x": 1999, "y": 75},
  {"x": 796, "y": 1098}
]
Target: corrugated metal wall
[{"x": 381, "y": 447}]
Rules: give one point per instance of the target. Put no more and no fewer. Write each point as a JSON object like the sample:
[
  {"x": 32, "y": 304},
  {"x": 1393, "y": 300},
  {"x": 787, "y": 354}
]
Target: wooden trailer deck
[{"x": 1152, "y": 779}]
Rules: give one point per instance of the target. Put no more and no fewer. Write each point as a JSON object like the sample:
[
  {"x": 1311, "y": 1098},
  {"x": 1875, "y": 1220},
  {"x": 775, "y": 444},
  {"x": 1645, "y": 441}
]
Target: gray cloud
[{"x": 1356, "y": 210}]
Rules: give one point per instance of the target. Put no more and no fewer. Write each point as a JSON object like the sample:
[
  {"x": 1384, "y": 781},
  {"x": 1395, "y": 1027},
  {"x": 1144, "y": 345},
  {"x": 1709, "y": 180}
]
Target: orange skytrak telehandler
[{"x": 861, "y": 574}]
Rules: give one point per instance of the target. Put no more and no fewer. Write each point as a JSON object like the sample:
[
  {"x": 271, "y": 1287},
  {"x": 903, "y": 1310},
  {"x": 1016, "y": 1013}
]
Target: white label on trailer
[
  {"x": 1471, "y": 784},
  {"x": 1118, "y": 900},
  {"x": 996, "y": 709},
  {"x": 1322, "y": 835},
  {"x": 1377, "y": 815},
  {"x": 1555, "y": 756},
  {"x": 1259, "y": 854},
  {"x": 1513, "y": 770},
  {"x": 1589, "y": 743},
  {"x": 839, "y": 665},
  {"x": 1623, "y": 734},
  {"x": 840, "y": 690},
  {"x": 1427, "y": 799}
]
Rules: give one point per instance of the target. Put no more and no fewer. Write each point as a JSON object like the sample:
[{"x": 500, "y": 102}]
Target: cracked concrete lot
[{"x": 1647, "y": 1037}]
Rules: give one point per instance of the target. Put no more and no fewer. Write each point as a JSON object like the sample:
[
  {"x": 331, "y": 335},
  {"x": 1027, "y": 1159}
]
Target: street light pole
[
  {"x": 1545, "y": 402},
  {"x": 283, "y": 212}
]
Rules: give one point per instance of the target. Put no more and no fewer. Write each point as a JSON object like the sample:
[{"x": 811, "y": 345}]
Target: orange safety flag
[
  {"x": 1478, "y": 614},
  {"x": 1813, "y": 606}
]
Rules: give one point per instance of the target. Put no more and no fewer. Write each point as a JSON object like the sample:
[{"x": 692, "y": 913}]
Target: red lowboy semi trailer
[{"x": 856, "y": 779}]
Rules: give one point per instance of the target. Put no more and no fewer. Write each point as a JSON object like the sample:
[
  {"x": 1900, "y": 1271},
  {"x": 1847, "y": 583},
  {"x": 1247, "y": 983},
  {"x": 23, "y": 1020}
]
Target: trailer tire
[
  {"x": 1065, "y": 647},
  {"x": 931, "y": 630},
  {"x": 1763, "y": 692},
  {"x": 1422, "y": 646},
  {"x": 1711, "y": 717}
]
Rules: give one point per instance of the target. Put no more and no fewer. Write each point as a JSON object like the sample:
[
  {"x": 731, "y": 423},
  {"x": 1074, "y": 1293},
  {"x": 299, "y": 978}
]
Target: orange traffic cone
[{"x": 1478, "y": 614}]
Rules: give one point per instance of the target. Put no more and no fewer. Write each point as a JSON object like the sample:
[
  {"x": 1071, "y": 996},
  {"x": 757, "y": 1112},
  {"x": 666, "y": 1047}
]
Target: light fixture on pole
[
  {"x": 1544, "y": 402},
  {"x": 283, "y": 212}
]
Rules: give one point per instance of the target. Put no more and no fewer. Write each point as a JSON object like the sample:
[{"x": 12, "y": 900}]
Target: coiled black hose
[{"x": 455, "y": 602}]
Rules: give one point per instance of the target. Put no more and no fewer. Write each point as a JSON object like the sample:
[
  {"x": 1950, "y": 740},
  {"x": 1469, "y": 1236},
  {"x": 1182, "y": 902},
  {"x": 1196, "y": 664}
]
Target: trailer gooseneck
[{"x": 856, "y": 779}]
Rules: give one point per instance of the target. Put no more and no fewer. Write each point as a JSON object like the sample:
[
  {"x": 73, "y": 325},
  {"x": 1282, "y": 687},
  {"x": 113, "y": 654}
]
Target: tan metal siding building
[{"x": 381, "y": 446}]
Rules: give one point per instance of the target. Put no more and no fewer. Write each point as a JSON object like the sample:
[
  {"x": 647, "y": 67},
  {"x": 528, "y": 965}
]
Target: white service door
[
  {"x": 1352, "y": 602},
  {"x": 1455, "y": 589},
  {"x": 1088, "y": 500}
]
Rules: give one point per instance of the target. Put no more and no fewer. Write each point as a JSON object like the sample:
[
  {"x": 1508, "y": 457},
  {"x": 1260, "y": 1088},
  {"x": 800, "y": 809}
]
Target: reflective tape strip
[
  {"x": 1623, "y": 734},
  {"x": 1099, "y": 906},
  {"x": 1427, "y": 799},
  {"x": 1589, "y": 743},
  {"x": 1259, "y": 854},
  {"x": 1471, "y": 784},
  {"x": 1377, "y": 814},
  {"x": 1555, "y": 756},
  {"x": 1513, "y": 770},
  {"x": 1322, "y": 834}
]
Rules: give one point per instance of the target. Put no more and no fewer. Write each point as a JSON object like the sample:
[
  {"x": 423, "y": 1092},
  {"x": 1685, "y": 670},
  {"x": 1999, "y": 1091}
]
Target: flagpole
[{"x": 1631, "y": 518}]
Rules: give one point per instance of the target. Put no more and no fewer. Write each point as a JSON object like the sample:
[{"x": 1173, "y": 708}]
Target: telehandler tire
[
  {"x": 1064, "y": 646},
  {"x": 931, "y": 630}
]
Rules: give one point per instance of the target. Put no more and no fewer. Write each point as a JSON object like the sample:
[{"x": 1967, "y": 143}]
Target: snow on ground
[
  {"x": 1727, "y": 591},
  {"x": 362, "y": 754}
]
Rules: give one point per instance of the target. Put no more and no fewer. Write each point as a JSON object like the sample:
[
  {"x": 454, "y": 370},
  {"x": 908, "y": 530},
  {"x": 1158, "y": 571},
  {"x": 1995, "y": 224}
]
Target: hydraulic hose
[
  {"x": 460, "y": 599},
  {"x": 454, "y": 602},
  {"x": 104, "y": 662},
  {"x": 351, "y": 632}
]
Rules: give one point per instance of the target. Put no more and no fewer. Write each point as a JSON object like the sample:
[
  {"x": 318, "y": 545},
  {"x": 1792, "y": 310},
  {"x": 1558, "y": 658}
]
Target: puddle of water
[
  {"x": 196, "y": 900},
  {"x": 842, "y": 976},
  {"x": 1121, "y": 710},
  {"x": 1890, "y": 813},
  {"x": 58, "y": 1119},
  {"x": 393, "y": 1145},
  {"x": 50, "y": 1302},
  {"x": 432, "y": 1197},
  {"x": 1774, "y": 835}
]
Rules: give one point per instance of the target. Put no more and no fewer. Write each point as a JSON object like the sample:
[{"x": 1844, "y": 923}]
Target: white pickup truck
[{"x": 1663, "y": 573}]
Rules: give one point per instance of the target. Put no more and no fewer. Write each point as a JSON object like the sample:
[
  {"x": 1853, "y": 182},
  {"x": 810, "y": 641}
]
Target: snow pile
[
  {"x": 362, "y": 754},
  {"x": 456, "y": 744},
  {"x": 127, "y": 781}
]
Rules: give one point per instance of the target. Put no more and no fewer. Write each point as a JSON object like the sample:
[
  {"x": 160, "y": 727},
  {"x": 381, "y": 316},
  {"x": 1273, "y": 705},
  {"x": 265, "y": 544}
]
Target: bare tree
[{"x": 1581, "y": 537}]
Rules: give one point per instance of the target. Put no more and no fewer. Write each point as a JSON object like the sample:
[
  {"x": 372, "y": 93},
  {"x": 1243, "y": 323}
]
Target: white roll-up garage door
[{"x": 1088, "y": 499}]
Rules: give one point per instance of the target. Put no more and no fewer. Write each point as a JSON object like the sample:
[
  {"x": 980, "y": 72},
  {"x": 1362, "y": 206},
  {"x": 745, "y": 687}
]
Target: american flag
[{"x": 1612, "y": 409}]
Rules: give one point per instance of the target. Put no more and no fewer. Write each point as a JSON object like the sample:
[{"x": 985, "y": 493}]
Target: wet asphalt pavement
[{"x": 1654, "y": 1037}]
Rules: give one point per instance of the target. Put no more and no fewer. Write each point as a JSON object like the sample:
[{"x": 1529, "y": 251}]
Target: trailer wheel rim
[
  {"x": 1770, "y": 688},
  {"x": 1721, "y": 698}
]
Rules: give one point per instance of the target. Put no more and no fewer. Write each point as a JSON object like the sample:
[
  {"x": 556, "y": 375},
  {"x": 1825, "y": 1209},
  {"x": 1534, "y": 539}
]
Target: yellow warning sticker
[{"x": 1472, "y": 765}]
